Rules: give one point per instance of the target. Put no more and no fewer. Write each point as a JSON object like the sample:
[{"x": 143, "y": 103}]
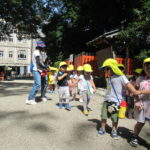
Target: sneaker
[
  {"x": 60, "y": 106},
  {"x": 101, "y": 132},
  {"x": 114, "y": 135},
  {"x": 31, "y": 102},
  {"x": 134, "y": 142},
  {"x": 89, "y": 109},
  {"x": 81, "y": 100},
  {"x": 85, "y": 112},
  {"x": 68, "y": 107},
  {"x": 44, "y": 99}
]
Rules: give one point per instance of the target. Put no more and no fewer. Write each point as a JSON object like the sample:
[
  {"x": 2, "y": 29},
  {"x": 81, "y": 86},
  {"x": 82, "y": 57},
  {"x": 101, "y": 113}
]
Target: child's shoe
[
  {"x": 85, "y": 112},
  {"x": 134, "y": 142},
  {"x": 60, "y": 106},
  {"x": 114, "y": 135},
  {"x": 101, "y": 132},
  {"x": 67, "y": 107}
]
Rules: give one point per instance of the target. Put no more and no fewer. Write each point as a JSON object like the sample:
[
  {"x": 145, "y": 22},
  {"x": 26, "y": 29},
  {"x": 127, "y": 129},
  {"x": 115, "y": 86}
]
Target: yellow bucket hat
[
  {"x": 121, "y": 65},
  {"x": 113, "y": 64},
  {"x": 71, "y": 67},
  {"x": 87, "y": 68},
  {"x": 62, "y": 64},
  {"x": 80, "y": 68},
  {"x": 138, "y": 70},
  {"x": 68, "y": 69},
  {"x": 53, "y": 69},
  {"x": 146, "y": 60}
]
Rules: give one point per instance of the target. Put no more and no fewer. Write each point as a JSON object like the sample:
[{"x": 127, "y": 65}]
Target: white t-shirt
[
  {"x": 77, "y": 78},
  {"x": 35, "y": 54},
  {"x": 83, "y": 83},
  {"x": 118, "y": 82}
]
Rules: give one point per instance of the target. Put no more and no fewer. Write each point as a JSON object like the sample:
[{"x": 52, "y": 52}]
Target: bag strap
[{"x": 114, "y": 91}]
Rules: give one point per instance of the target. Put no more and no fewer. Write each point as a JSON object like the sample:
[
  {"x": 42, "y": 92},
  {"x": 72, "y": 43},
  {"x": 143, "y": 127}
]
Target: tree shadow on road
[
  {"x": 98, "y": 125},
  {"x": 122, "y": 131},
  {"x": 21, "y": 88},
  {"x": 128, "y": 134}
]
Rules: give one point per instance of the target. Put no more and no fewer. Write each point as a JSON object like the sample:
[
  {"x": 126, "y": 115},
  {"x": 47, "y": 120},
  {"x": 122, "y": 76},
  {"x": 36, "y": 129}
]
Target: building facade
[{"x": 16, "y": 54}]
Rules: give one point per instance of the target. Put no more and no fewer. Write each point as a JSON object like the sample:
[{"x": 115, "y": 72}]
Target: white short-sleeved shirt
[
  {"x": 83, "y": 83},
  {"x": 35, "y": 54},
  {"x": 77, "y": 78},
  {"x": 118, "y": 82}
]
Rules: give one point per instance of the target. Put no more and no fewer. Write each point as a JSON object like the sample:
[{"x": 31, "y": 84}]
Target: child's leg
[
  {"x": 67, "y": 97},
  {"x": 104, "y": 115},
  {"x": 137, "y": 129},
  {"x": 61, "y": 93},
  {"x": 103, "y": 124},
  {"x": 85, "y": 99}
]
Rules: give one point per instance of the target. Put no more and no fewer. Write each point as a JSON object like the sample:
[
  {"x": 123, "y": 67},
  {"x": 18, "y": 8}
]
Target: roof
[{"x": 102, "y": 38}]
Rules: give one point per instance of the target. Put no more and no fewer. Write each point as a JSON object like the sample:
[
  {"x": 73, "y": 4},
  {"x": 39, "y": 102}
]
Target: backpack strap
[{"x": 114, "y": 91}]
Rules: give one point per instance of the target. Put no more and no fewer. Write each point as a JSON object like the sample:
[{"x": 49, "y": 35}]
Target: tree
[
  {"x": 24, "y": 17},
  {"x": 137, "y": 33},
  {"x": 74, "y": 23}
]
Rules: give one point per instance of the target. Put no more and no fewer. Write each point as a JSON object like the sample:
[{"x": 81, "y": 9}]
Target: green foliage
[
  {"x": 136, "y": 34},
  {"x": 143, "y": 54}
]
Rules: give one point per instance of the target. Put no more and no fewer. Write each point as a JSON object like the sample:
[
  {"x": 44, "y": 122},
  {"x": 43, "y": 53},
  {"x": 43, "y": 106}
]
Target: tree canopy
[{"x": 69, "y": 24}]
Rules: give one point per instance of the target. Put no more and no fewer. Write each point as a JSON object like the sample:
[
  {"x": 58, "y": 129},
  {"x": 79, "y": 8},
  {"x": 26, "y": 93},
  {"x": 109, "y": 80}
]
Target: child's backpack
[{"x": 31, "y": 67}]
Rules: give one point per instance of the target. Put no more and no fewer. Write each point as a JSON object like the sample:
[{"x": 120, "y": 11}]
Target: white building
[{"x": 16, "y": 53}]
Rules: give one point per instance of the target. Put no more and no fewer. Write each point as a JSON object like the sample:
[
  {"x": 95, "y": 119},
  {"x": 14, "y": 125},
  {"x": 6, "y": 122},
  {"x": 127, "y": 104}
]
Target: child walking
[
  {"x": 87, "y": 87},
  {"x": 77, "y": 82},
  {"x": 63, "y": 87},
  {"x": 142, "y": 105},
  {"x": 52, "y": 79},
  {"x": 113, "y": 96}
]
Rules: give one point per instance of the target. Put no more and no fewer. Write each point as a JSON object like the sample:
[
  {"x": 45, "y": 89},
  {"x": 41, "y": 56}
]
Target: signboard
[{"x": 71, "y": 58}]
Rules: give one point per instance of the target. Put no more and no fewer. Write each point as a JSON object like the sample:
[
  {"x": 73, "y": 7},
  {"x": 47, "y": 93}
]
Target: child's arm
[
  {"x": 93, "y": 85},
  {"x": 147, "y": 92},
  {"x": 131, "y": 88},
  {"x": 61, "y": 77}
]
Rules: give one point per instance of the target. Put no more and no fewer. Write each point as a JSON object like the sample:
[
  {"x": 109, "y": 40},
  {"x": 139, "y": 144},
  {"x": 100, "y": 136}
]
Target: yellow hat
[
  {"x": 53, "y": 69},
  {"x": 62, "y": 64},
  {"x": 80, "y": 68},
  {"x": 113, "y": 64},
  {"x": 68, "y": 69},
  {"x": 87, "y": 68},
  {"x": 121, "y": 65},
  {"x": 146, "y": 60},
  {"x": 71, "y": 67},
  {"x": 138, "y": 70}
]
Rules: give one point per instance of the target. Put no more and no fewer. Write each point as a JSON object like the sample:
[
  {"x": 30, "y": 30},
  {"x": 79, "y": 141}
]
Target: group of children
[
  {"x": 70, "y": 84},
  {"x": 136, "y": 91}
]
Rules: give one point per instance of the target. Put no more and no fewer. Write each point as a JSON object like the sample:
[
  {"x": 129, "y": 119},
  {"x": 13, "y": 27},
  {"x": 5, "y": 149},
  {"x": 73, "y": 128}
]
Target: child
[
  {"x": 77, "y": 82},
  {"x": 142, "y": 107},
  {"x": 87, "y": 87},
  {"x": 52, "y": 79},
  {"x": 63, "y": 87},
  {"x": 113, "y": 96}
]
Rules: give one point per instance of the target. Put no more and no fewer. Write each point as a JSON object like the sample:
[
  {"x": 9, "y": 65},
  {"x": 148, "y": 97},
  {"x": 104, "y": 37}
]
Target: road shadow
[
  {"x": 98, "y": 125},
  {"x": 128, "y": 134},
  {"x": 21, "y": 88},
  {"x": 123, "y": 132},
  {"x": 34, "y": 120}
]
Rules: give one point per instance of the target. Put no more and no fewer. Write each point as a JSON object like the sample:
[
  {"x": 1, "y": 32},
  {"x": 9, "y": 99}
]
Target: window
[
  {"x": 10, "y": 38},
  {"x": 2, "y": 38},
  {"x": 21, "y": 55},
  {"x": 1, "y": 53},
  {"x": 10, "y": 54}
]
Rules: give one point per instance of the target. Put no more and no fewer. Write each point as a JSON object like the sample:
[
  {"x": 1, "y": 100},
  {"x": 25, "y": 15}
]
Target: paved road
[{"x": 45, "y": 127}]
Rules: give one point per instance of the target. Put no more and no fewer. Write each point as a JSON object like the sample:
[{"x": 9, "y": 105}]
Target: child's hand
[
  {"x": 65, "y": 74},
  {"x": 136, "y": 93}
]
